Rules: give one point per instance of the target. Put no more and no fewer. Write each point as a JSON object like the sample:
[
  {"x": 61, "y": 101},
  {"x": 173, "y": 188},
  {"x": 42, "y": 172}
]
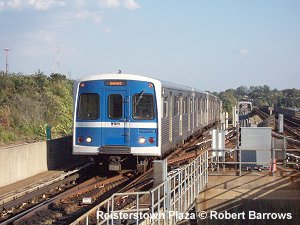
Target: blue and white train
[{"x": 122, "y": 115}]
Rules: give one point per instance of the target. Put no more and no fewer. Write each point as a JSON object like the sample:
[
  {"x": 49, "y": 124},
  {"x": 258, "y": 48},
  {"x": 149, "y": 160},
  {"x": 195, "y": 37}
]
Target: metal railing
[
  {"x": 218, "y": 158},
  {"x": 164, "y": 204}
]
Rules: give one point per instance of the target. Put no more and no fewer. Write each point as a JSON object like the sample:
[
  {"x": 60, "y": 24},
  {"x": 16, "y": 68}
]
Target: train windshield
[
  {"x": 115, "y": 106},
  {"x": 143, "y": 106},
  {"x": 89, "y": 106}
]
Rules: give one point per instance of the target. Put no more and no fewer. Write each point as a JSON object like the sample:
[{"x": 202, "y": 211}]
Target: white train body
[{"x": 107, "y": 119}]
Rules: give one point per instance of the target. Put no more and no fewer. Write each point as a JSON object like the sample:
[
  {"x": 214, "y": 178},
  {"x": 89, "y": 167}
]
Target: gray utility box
[
  {"x": 256, "y": 146},
  {"x": 218, "y": 143},
  {"x": 160, "y": 171},
  {"x": 280, "y": 123}
]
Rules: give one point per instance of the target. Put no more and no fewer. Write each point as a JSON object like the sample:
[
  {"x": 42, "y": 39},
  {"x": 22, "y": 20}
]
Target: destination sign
[{"x": 115, "y": 83}]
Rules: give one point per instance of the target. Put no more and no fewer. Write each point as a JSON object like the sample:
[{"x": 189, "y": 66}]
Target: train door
[
  {"x": 117, "y": 114},
  {"x": 170, "y": 111},
  {"x": 180, "y": 113}
]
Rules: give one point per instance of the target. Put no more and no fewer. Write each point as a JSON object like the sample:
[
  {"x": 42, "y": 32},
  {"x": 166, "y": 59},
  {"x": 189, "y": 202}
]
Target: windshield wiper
[{"x": 140, "y": 97}]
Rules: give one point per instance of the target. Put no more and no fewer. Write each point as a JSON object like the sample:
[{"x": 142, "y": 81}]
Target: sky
[{"x": 208, "y": 45}]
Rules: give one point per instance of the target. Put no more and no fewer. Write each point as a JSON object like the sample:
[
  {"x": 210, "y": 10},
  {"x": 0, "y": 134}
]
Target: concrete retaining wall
[
  {"x": 26, "y": 160},
  {"x": 59, "y": 154},
  {"x": 20, "y": 162}
]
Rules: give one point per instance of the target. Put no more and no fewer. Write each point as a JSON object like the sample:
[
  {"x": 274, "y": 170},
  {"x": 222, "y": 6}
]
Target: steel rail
[{"x": 33, "y": 191}]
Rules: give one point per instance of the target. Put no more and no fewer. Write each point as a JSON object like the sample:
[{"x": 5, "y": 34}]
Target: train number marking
[{"x": 116, "y": 124}]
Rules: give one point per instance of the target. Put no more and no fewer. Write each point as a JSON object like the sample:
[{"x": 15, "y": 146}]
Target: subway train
[{"x": 118, "y": 116}]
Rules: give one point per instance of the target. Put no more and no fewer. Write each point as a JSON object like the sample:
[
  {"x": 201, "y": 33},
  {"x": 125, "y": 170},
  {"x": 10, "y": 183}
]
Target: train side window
[
  {"x": 115, "y": 106},
  {"x": 143, "y": 107},
  {"x": 185, "y": 105},
  {"x": 89, "y": 106},
  {"x": 165, "y": 107},
  {"x": 176, "y": 105}
]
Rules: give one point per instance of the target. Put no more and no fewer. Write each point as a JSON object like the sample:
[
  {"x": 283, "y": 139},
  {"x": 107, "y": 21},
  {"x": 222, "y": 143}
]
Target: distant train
[
  {"x": 245, "y": 105},
  {"x": 122, "y": 115}
]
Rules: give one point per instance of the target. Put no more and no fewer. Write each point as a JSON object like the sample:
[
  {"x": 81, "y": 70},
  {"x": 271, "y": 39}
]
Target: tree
[
  {"x": 229, "y": 100},
  {"x": 242, "y": 91},
  {"x": 31, "y": 102}
]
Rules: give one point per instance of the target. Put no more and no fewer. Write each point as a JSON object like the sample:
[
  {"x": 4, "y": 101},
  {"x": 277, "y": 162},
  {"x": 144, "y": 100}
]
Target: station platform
[{"x": 253, "y": 198}]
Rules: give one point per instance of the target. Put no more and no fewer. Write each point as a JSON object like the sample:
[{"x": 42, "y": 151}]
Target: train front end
[{"x": 117, "y": 115}]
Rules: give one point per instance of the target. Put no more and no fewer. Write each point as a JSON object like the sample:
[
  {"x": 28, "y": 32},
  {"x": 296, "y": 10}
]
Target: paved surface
[
  {"x": 253, "y": 198},
  {"x": 29, "y": 181}
]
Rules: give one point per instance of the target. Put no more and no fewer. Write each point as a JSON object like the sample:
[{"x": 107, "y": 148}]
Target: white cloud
[
  {"x": 243, "y": 51},
  {"x": 111, "y": 3},
  {"x": 14, "y": 4},
  {"x": 66, "y": 19},
  {"x": 35, "y": 4},
  {"x": 131, "y": 4},
  {"x": 80, "y": 3},
  {"x": 45, "y": 4},
  {"x": 2, "y": 5},
  {"x": 127, "y": 4},
  {"x": 88, "y": 15}
]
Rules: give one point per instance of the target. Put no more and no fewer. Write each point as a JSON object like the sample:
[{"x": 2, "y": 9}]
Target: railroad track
[
  {"x": 290, "y": 126},
  {"x": 65, "y": 207},
  {"x": 188, "y": 152},
  {"x": 69, "y": 205},
  {"x": 22, "y": 199}
]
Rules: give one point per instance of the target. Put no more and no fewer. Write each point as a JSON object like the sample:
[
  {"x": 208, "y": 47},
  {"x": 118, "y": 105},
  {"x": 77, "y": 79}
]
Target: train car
[{"x": 122, "y": 115}]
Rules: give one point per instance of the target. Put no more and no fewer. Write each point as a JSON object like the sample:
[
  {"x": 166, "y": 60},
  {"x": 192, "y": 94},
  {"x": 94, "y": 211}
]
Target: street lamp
[{"x": 6, "y": 60}]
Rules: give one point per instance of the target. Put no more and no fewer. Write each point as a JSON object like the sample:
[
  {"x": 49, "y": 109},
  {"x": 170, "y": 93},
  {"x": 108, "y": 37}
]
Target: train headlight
[
  {"x": 88, "y": 139},
  {"x": 142, "y": 140}
]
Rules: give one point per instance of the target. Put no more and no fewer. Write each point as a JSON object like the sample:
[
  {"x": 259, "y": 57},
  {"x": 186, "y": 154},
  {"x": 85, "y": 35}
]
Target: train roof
[
  {"x": 166, "y": 84},
  {"x": 124, "y": 76},
  {"x": 185, "y": 88},
  {"x": 121, "y": 76}
]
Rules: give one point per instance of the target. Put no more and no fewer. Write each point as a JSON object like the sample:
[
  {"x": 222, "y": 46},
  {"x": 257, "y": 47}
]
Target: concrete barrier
[
  {"x": 23, "y": 161},
  {"x": 59, "y": 154},
  {"x": 26, "y": 160}
]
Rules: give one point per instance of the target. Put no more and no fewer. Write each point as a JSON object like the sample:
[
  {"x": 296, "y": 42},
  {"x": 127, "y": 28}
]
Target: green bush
[{"x": 29, "y": 102}]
